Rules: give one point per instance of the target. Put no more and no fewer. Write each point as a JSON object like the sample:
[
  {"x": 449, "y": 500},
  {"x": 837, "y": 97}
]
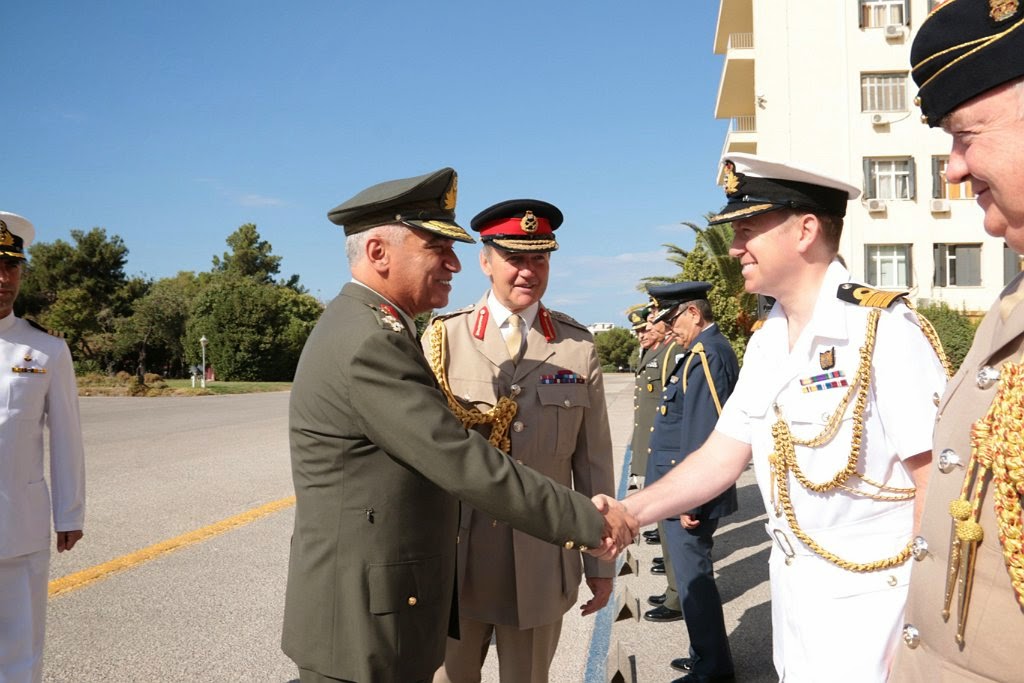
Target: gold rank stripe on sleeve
[{"x": 862, "y": 295}]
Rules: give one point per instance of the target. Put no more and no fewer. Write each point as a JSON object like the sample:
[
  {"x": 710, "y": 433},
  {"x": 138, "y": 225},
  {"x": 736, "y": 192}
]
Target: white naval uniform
[
  {"x": 829, "y": 623},
  {"x": 43, "y": 390}
]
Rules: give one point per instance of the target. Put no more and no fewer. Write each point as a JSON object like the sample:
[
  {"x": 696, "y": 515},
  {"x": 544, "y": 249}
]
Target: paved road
[{"x": 211, "y": 611}]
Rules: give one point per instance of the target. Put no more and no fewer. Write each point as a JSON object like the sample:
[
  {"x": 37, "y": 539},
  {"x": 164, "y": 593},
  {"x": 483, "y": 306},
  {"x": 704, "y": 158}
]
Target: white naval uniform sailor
[
  {"x": 830, "y": 623},
  {"x": 37, "y": 385}
]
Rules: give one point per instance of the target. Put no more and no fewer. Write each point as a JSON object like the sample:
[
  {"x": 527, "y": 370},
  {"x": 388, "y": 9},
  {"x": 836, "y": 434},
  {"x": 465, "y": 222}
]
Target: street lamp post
[{"x": 202, "y": 342}]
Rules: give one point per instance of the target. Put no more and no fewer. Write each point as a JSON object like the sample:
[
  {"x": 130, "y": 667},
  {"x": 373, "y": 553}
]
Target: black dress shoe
[
  {"x": 701, "y": 678},
  {"x": 682, "y": 664},
  {"x": 656, "y": 600},
  {"x": 657, "y": 569},
  {"x": 657, "y": 560},
  {"x": 653, "y": 540},
  {"x": 650, "y": 533},
  {"x": 662, "y": 614}
]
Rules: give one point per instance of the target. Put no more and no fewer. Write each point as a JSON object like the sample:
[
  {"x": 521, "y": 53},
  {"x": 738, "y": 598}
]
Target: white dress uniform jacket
[
  {"x": 830, "y": 623},
  {"x": 37, "y": 387}
]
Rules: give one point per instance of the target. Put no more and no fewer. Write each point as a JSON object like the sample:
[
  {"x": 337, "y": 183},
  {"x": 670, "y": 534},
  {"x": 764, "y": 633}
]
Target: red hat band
[{"x": 529, "y": 225}]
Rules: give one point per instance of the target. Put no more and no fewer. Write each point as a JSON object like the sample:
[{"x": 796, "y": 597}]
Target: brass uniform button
[
  {"x": 892, "y": 580},
  {"x": 935, "y": 399},
  {"x": 672, "y": 462},
  {"x": 412, "y": 601},
  {"x": 949, "y": 461},
  {"x": 664, "y": 410},
  {"x": 911, "y": 636},
  {"x": 567, "y": 403},
  {"x": 986, "y": 377},
  {"x": 569, "y": 545},
  {"x": 919, "y": 548},
  {"x": 517, "y": 426}
]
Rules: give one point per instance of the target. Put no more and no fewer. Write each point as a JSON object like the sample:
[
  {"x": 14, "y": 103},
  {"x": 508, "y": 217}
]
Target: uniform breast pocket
[
  {"x": 564, "y": 405},
  {"x": 26, "y": 396},
  {"x": 405, "y": 585},
  {"x": 669, "y": 411}
]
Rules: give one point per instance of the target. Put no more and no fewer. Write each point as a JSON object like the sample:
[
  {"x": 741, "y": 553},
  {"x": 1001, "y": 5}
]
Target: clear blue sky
[{"x": 172, "y": 123}]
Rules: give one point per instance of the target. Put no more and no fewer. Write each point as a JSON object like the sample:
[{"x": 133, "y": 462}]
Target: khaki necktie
[{"x": 514, "y": 340}]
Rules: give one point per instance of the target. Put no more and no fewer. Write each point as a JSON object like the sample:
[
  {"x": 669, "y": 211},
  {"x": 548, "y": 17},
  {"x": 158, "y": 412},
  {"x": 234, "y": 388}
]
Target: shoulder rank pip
[
  {"x": 52, "y": 333},
  {"x": 862, "y": 295}
]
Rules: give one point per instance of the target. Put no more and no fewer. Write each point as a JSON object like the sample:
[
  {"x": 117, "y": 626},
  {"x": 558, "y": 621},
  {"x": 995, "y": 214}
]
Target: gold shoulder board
[{"x": 862, "y": 295}]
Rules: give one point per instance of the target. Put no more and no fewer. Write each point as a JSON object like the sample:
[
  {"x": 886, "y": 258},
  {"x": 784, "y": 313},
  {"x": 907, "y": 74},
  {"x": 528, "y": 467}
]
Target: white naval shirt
[
  {"x": 898, "y": 422},
  {"x": 37, "y": 386}
]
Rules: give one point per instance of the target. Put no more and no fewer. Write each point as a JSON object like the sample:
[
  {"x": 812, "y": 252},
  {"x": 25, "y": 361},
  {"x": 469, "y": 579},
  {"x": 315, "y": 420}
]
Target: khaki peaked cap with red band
[
  {"x": 754, "y": 185},
  {"x": 16, "y": 233},
  {"x": 426, "y": 202},
  {"x": 519, "y": 225},
  {"x": 964, "y": 49}
]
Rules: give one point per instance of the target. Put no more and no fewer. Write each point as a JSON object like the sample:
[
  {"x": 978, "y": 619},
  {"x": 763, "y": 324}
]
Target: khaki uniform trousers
[{"x": 524, "y": 655}]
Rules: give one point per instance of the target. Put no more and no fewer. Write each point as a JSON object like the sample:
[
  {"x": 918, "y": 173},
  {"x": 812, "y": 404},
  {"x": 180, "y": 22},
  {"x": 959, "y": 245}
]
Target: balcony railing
[
  {"x": 741, "y": 41},
  {"x": 743, "y": 124}
]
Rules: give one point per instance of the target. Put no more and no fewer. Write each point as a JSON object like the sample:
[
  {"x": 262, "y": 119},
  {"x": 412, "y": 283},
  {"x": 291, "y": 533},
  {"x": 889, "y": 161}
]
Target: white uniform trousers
[{"x": 23, "y": 589}]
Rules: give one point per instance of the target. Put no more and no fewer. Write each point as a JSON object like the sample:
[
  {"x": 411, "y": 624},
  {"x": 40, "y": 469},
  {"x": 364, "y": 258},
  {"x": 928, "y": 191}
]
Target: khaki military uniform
[
  {"x": 994, "y": 632},
  {"x": 560, "y": 429},
  {"x": 379, "y": 465}
]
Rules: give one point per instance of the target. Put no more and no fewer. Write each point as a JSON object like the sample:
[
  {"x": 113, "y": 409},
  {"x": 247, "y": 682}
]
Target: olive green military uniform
[
  {"x": 646, "y": 398},
  {"x": 379, "y": 464}
]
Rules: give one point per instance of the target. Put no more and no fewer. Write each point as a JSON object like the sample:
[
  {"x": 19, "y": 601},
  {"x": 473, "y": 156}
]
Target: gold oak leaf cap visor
[
  {"x": 426, "y": 202},
  {"x": 963, "y": 49}
]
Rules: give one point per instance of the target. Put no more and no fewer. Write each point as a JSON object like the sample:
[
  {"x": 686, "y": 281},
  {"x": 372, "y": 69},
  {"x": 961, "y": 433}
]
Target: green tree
[
  {"x": 955, "y": 330},
  {"x": 255, "y": 330},
  {"x": 709, "y": 261},
  {"x": 94, "y": 263},
  {"x": 615, "y": 347},
  {"x": 152, "y": 336},
  {"x": 251, "y": 256}
]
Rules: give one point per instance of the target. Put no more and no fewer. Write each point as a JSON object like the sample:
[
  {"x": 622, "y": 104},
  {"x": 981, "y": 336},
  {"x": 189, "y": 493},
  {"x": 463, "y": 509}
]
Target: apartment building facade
[{"x": 828, "y": 84}]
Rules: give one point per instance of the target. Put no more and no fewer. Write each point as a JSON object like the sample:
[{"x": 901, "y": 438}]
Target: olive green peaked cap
[{"x": 426, "y": 202}]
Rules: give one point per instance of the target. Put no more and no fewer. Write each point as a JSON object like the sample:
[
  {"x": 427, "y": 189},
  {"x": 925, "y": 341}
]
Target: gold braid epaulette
[
  {"x": 997, "y": 445},
  {"x": 783, "y": 461},
  {"x": 499, "y": 417}
]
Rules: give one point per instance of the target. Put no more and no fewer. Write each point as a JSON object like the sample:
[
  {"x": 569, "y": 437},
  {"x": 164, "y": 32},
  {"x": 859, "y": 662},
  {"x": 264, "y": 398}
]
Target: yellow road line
[{"x": 71, "y": 582}]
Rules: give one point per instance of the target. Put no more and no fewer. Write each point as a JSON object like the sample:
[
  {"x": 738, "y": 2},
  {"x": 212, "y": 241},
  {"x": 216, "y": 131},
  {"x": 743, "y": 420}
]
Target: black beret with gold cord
[{"x": 963, "y": 49}]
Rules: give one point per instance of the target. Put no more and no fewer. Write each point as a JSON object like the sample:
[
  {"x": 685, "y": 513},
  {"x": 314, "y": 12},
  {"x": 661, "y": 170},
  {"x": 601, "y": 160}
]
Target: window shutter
[
  {"x": 936, "y": 178},
  {"x": 910, "y": 262},
  {"x": 939, "y": 255},
  {"x": 869, "y": 181},
  {"x": 912, "y": 178},
  {"x": 870, "y": 267}
]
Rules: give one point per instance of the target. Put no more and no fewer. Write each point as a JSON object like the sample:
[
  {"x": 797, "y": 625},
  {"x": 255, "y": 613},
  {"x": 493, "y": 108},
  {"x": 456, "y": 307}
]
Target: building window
[
  {"x": 887, "y": 265},
  {"x": 1012, "y": 264},
  {"x": 889, "y": 178},
  {"x": 957, "y": 265},
  {"x": 943, "y": 189},
  {"x": 881, "y": 13},
  {"x": 883, "y": 92},
  {"x": 932, "y": 4}
]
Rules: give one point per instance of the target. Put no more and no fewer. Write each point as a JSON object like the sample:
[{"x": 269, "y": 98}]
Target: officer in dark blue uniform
[{"x": 701, "y": 380}]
